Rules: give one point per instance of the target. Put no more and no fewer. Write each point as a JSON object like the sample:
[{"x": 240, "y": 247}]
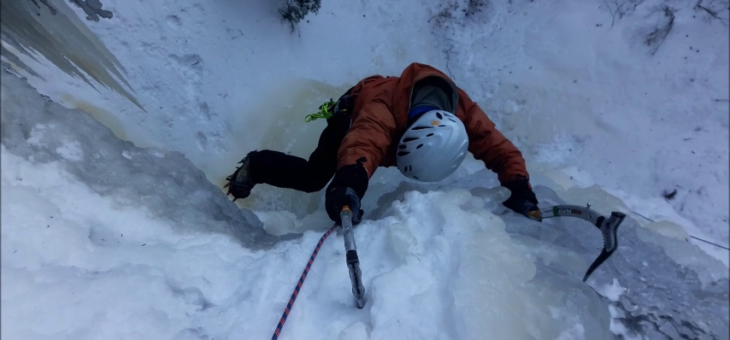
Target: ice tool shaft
[{"x": 353, "y": 262}]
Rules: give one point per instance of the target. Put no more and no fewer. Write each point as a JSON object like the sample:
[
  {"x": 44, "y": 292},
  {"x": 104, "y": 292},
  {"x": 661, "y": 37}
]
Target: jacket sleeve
[
  {"x": 489, "y": 145},
  {"x": 369, "y": 136}
]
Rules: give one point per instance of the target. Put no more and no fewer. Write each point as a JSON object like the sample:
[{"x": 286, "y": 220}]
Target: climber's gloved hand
[
  {"x": 339, "y": 198},
  {"x": 523, "y": 199},
  {"x": 347, "y": 189}
]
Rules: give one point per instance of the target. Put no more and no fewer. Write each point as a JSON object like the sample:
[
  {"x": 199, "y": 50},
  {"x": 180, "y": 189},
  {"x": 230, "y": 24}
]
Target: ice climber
[{"x": 420, "y": 122}]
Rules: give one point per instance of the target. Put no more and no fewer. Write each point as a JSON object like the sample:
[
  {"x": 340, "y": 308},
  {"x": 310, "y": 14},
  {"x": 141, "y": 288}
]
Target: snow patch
[
  {"x": 71, "y": 151},
  {"x": 612, "y": 291}
]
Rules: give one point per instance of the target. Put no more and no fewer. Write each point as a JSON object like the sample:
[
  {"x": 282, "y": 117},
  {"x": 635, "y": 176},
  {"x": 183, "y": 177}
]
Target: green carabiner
[{"x": 325, "y": 111}]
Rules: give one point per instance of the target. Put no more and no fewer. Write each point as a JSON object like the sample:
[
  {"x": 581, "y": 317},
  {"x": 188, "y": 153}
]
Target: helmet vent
[
  {"x": 403, "y": 153},
  {"x": 452, "y": 119},
  {"x": 419, "y": 146},
  {"x": 409, "y": 139},
  {"x": 438, "y": 114},
  {"x": 430, "y": 134},
  {"x": 442, "y": 125},
  {"x": 402, "y": 146},
  {"x": 421, "y": 127}
]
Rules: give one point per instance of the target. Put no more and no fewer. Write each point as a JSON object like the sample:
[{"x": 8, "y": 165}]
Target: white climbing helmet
[{"x": 432, "y": 147}]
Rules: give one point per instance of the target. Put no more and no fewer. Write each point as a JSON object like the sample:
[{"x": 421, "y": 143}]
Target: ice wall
[
  {"x": 165, "y": 184},
  {"x": 213, "y": 115},
  {"x": 452, "y": 257},
  {"x": 632, "y": 92},
  {"x": 50, "y": 29}
]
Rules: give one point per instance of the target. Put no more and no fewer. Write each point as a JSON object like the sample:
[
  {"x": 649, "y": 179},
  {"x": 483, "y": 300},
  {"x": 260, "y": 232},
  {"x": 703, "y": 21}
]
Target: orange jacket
[{"x": 380, "y": 113}]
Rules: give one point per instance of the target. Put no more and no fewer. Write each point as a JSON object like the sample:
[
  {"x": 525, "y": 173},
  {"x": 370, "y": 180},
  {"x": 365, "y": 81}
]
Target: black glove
[
  {"x": 523, "y": 199},
  {"x": 340, "y": 197},
  {"x": 347, "y": 188}
]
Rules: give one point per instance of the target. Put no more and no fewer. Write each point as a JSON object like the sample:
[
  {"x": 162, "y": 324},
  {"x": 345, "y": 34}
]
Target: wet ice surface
[
  {"x": 138, "y": 244},
  {"x": 165, "y": 184},
  {"x": 661, "y": 299}
]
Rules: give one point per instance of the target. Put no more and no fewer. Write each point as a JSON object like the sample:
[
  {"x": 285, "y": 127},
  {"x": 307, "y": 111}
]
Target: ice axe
[
  {"x": 352, "y": 263},
  {"x": 607, "y": 226}
]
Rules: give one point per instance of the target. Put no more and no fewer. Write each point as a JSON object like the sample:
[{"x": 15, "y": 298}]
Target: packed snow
[{"x": 114, "y": 224}]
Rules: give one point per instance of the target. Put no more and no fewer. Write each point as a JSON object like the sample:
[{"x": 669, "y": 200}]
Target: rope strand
[{"x": 300, "y": 283}]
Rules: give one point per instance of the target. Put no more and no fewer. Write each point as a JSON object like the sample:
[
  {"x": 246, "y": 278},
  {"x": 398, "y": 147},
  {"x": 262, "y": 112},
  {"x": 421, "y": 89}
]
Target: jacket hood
[{"x": 416, "y": 72}]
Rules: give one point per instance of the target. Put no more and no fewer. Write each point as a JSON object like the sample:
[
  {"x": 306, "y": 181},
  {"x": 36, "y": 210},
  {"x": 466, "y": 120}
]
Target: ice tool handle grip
[
  {"x": 607, "y": 226},
  {"x": 353, "y": 262}
]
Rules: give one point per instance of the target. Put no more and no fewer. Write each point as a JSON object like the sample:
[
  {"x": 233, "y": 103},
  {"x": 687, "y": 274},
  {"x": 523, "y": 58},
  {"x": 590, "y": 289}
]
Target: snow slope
[{"x": 218, "y": 79}]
